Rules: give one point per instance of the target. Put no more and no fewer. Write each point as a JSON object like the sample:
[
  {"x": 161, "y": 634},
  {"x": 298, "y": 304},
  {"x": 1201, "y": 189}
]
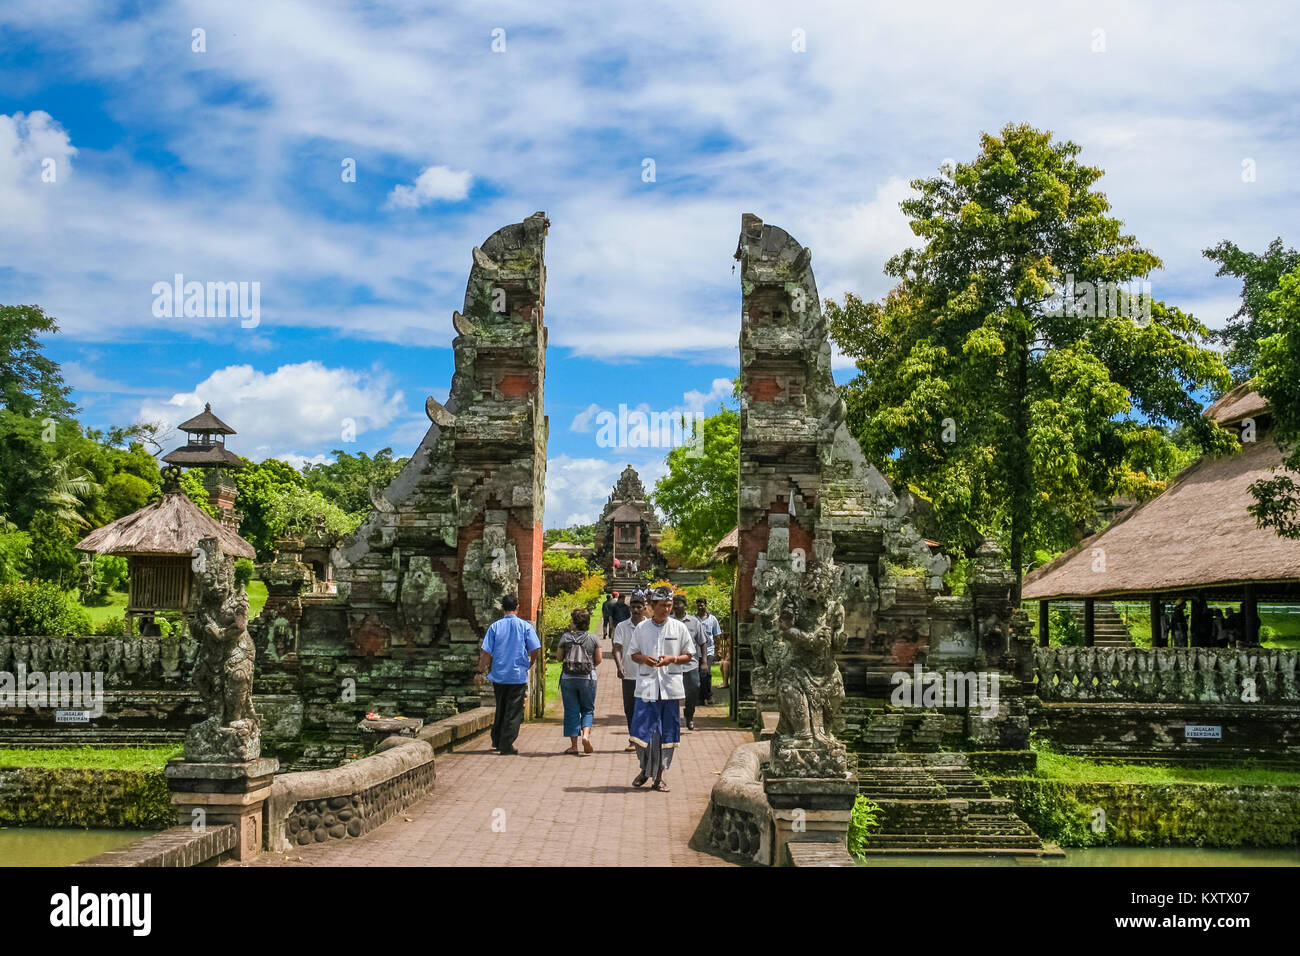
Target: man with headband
[{"x": 659, "y": 646}]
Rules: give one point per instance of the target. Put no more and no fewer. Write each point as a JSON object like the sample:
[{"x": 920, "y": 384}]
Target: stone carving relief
[
  {"x": 801, "y": 629},
  {"x": 423, "y": 599},
  {"x": 223, "y": 673},
  {"x": 491, "y": 570}
]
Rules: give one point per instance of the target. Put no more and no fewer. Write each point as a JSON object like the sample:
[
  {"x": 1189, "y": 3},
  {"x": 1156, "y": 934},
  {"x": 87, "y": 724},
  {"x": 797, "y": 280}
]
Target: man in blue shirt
[{"x": 510, "y": 647}]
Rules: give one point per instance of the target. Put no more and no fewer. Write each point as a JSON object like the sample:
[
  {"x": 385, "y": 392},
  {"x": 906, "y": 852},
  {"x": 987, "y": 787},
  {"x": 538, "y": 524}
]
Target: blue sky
[{"x": 224, "y": 165}]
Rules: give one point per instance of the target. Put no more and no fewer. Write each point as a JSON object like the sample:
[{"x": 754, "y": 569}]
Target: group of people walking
[{"x": 662, "y": 656}]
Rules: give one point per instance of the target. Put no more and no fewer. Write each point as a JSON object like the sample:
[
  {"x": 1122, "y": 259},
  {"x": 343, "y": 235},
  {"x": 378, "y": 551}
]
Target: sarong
[{"x": 656, "y": 731}]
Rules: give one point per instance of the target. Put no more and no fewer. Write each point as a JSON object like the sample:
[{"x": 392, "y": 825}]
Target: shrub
[
  {"x": 591, "y": 589},
  {"x": 558, "y": 582},
  {"x": 243, "y": 572},
  {"x": 556, "y": 611},
  {"x": 716, "y": 592},
  {"x": 110, "y": 627},
  {"x": 15, "y": 550},
  {"x": 108, "y": 573},
  {"x": 39, "y": 607},
  {"x": 560, "y": 561},
  {"x": 1065, "y": 630}
]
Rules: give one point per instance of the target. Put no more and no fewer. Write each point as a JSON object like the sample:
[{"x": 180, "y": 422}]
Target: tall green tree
[
  {"x": 992, "y": 380},
  {"x": 699, "y": 494},
  {"x": 30, "y": 381},
  {"x": 1278, "y": 498},
  {"x": 583, "y": 534},
  {"x": 1259, "y": 275},
  {"x": 259, "y": 487},
  {"x": 348, "y": 480}
]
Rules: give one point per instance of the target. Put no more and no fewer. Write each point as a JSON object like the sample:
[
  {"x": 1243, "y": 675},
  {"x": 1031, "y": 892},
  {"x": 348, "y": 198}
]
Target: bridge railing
[{"x": 1167, "y": 674}]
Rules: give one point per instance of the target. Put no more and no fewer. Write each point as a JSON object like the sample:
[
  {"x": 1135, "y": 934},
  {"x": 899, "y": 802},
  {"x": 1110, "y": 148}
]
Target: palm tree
[{"x": 69, "y": 492}]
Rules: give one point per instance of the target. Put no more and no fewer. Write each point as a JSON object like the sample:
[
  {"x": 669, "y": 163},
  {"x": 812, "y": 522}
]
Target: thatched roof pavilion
[
  {"x": 726, "y": 549},
  {"x": 1194, "y": 540},
  {"x": 173, "y": 525},
  {"x": 566, "y": 547},
  {"x": 158, "y": 542}
]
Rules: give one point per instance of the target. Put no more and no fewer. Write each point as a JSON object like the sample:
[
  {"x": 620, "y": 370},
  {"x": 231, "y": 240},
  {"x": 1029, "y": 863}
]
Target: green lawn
[
  {"x": 116, "y": 606},
  {"x": 1287, "y": 626},
  {"x": 98, "y": 758},
  {"x": 1054, "y": 766}
]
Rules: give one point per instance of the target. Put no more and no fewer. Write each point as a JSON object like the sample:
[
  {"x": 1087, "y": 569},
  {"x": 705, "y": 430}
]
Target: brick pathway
[{"x": 556, "y": 809}]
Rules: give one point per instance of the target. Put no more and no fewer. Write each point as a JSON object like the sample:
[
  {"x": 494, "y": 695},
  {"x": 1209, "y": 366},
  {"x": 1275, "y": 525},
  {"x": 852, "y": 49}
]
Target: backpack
[{"x": 577, "y": 659}]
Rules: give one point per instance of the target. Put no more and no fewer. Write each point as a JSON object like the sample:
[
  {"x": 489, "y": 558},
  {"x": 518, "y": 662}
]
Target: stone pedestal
[
  {"x": 226, "y": 793},
  {"x": 809, "y": 810}
]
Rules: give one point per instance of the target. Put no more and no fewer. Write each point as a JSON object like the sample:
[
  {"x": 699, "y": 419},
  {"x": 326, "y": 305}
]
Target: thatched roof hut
[
  {"x": 158, "y": 542},
  {"x": 1196, "y": 534},
  {"x": 728, "y": 546},
  {"x": 172, "y": 525},
  {"x": 566, "y": 547},
  {"x": 1195, "y": 540}
]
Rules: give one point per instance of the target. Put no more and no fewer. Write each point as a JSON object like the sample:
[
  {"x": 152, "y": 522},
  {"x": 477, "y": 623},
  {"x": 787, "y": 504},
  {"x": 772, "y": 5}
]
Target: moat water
[
  {"x": 23, "y": 846},
  {"x": 1119, "y": 856},
  {"x": 38, "y": 846}
]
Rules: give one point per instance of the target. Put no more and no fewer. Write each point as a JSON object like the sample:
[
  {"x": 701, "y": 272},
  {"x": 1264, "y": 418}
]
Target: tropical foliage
[
  {"x": 1259, "y": 275},
  {"x": 994, "y": 381},
  {"x": 699, "y": 493},
  {"x": 1278, "y": 379},
  {"x": 40, "y": 607}
]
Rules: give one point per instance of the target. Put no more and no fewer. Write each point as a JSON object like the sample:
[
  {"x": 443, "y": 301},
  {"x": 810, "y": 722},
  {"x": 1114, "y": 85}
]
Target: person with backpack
[{"x": 579, "y": 655}]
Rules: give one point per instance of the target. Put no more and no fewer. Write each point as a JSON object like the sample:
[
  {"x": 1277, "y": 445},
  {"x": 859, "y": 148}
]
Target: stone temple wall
[
  {"x": 459, "y": 527},
  {"x": 808, "y": 495}
]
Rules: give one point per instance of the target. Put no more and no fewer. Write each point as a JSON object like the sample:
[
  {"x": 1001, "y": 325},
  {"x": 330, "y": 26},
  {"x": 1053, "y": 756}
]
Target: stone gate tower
[
  {"x": 809, "y": 496},
  {"x": 459, "y": 527}
]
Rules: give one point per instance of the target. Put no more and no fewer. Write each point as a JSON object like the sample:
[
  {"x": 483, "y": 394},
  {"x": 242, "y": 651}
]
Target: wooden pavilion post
[
  {"x": 1044, "y": 609},
  {"x": 1158, "y": 637},
  {"x": 1250, "y": 608},
  {"x": 1089, "y": 630}
]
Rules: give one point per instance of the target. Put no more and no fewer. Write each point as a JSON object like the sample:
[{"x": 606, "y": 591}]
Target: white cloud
[
  {"x": 35, "y": 159},
  {"x": 295, "y": 407},
  {"x": 582, "y": 421},
  {"x": 807, "y": 142},
  {"x": 84, "y": 379},
  {"x": 434, "y": 182},
  {"x": 707, "y": 402},
  {"x": 577, "y": 488}
]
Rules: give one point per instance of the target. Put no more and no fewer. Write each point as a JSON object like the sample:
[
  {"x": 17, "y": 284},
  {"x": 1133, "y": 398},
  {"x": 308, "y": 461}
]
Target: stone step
[{"x": 23, "y": 737}]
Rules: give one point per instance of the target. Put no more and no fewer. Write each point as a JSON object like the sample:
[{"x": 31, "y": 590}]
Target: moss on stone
[
  {"x": 84, "y": 797},
  {"x": 1146, "y": 814}
]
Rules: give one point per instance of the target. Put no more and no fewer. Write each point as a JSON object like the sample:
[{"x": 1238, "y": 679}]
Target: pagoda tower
[{"x": 205, "y": 448}]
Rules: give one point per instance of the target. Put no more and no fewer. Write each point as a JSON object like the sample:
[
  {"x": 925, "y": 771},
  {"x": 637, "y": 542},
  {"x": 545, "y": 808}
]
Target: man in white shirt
[
  {"x": 623, "y": 662},
  {"x": 690, "y": 670},
  {"x": 709, "y": 629},
  {"x": 659, "y": 646}
]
